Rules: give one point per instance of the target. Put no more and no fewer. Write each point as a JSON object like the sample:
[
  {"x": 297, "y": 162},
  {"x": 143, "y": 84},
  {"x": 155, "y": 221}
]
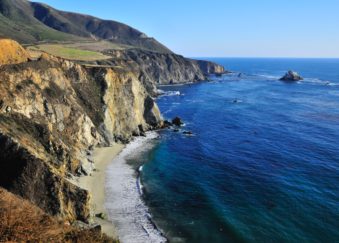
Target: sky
[{"x": 226, "y": 28}]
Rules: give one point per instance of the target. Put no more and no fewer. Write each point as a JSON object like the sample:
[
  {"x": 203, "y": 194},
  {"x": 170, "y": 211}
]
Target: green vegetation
[
  {"x": 60, "y": 50},
  {"x": 17, "y": 22},
  {"x": 32, "y": 23}
]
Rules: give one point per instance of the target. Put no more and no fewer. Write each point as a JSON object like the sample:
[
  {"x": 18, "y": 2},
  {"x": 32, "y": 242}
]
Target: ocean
[{"x": 262, "y": 164}]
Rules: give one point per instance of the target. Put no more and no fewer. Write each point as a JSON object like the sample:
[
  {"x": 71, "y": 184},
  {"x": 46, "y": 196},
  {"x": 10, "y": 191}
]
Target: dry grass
[
  {"x": 20, "y": 221},
  {"x": 11, "y": 52}
]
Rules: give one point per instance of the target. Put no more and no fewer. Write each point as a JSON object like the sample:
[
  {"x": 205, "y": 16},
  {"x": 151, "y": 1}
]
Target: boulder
[
  {"x": 291, "y": 76},
  {"x": 101, "y": 216},
  {"x": 166, "y": 124},
  {"x": 177, "y": 121}
]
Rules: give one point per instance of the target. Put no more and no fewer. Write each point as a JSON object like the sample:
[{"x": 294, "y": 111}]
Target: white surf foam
[
  {"x": 125, "y": 207},
  {"x": 171, "y": 93},
  {"x": 269, "y": 77}
]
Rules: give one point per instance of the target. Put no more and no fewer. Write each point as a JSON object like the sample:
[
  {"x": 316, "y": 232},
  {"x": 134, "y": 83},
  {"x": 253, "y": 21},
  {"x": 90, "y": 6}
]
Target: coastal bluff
[
  {"x": 53, "y": 112},
  {"x": 154, "y": 68}
]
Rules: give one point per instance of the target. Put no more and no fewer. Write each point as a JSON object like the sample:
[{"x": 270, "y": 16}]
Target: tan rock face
[
  {"x": 125, "y": 99},
  {"x": 52, "y": 112},
  {"x": 11, "y": 52}
]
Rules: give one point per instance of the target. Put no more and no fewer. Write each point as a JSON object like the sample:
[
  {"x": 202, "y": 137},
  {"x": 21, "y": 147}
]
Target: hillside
[
  {"x": 17, "y": 22},
  {"x": 92, "y": 27},
  {"x": 29, "y": 22},
  {"x": 93, "y": 41},
  {"x": 21, "y": 221}
]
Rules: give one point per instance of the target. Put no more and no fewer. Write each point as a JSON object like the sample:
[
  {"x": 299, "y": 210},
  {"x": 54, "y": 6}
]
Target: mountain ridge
[
  {"x": 17, "y": 22},
  {"x": 31, "y": 22},
  {"x": 127, "y": 45},
  {"x": 93, "y": 27}
]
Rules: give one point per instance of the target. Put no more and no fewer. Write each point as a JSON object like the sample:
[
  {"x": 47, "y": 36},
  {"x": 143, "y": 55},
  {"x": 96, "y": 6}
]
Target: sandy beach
[
  {"x": 124, "y": 203},
  {"x": 95, "y": 184},
  {"x": 116, "y": 193}
]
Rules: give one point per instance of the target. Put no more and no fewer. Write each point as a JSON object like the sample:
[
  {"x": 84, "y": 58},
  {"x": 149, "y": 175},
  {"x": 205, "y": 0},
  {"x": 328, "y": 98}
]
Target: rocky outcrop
[
  {"x": 52, "y": 113},
  {"x": 210, "y": 67},
  {"x": 29, "y": 176},
  {"x": 177, "y": 121},
  {"x": 161, "y": 68},
  {"x": 291, "y": 76}
]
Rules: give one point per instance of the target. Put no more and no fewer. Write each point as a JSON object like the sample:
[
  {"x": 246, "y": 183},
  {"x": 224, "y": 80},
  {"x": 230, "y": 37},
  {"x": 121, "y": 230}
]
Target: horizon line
[{"x": 262, "y": 57}]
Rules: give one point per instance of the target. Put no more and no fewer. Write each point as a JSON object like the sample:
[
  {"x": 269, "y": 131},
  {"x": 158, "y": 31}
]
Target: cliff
[
  {"x": 156, "y": 68},
  {"x": 53, "y": 112}
]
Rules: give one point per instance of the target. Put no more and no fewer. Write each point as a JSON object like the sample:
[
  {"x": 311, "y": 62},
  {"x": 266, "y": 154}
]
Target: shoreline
[
  {"x": 95, "y": 183},
  {"x": 116, "y": 192},
  {"x": 124, "y": 203}
]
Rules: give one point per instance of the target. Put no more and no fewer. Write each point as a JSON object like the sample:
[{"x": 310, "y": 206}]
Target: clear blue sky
[{"x": 227, "y": 28}]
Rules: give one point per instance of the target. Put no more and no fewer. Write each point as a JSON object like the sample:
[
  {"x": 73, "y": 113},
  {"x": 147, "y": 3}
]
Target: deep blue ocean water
[{"x": 263, "y": 164}]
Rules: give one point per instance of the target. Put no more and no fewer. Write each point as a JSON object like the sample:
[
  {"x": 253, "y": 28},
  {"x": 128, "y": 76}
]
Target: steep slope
[
  {"x": 17, "y": 22},
  {"x": 20, "y": 221},
  {"x": 161, "y": 68},
  {"x": 52, "y": 113}
]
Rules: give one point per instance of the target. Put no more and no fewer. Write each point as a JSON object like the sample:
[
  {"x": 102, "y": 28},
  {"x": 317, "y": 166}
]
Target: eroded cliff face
[
  {"x": 53, "y": 112},
  {"x": 161, "y": 68}
]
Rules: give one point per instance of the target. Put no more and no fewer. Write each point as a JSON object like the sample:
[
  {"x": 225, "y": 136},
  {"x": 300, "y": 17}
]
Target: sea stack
[
  {"x": 291, "y": 76},
  {"x": 177, "y": 121}
]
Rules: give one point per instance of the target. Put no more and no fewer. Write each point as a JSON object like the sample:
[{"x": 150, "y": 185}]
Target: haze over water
[{"x": 263, "y": 165}]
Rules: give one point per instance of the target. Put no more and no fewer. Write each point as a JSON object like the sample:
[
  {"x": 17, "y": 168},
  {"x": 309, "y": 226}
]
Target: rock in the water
[
  {"x": 176, "y": 130},
  {"x": 189, "y": 133},
  {"x": 177, "y": 121},
  {"x": 166, "y": 124},
  {"x": 291, "y": 76}
]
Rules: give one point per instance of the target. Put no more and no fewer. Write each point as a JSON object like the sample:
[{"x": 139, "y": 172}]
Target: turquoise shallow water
[{"x": 262, "y": 169}]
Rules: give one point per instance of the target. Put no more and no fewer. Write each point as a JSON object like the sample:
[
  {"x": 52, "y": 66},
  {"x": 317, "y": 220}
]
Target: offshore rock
[
  {"x": 188, "y": 133},
  {"x": 211, "y": 68},
  {"x": 291, "y": 76},
  {"x": 177, "y": 121}
]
